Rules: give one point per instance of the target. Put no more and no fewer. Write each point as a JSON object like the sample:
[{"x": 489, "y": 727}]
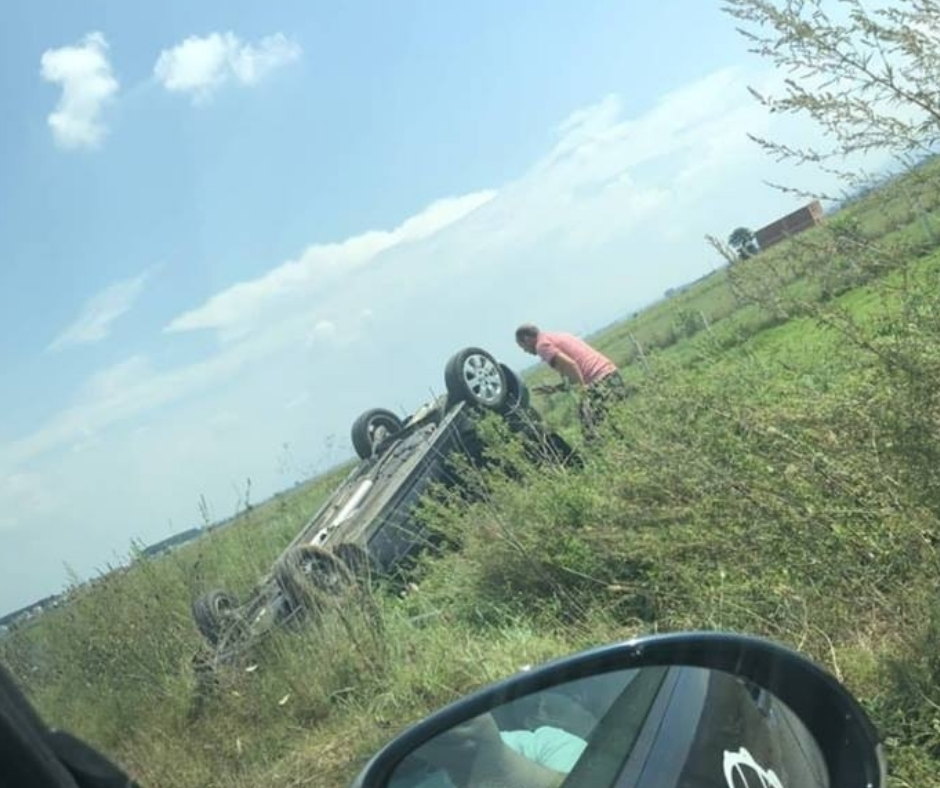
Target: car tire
[
  {"x": 308, "y": 576},
  {"x": 472, "y": 375},
  {"x": 517, "y": 392},
  {"x": 214, "y": 612},
  {"x": 363, "y": 430}
]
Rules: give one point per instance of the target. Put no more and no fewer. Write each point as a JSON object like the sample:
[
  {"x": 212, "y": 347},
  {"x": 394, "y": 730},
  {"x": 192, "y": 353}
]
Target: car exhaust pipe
[{"x": 353, "y": 503}]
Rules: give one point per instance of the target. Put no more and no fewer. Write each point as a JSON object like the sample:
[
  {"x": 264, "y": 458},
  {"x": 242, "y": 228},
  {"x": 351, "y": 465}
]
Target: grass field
[{"x": 774, "y": 474}]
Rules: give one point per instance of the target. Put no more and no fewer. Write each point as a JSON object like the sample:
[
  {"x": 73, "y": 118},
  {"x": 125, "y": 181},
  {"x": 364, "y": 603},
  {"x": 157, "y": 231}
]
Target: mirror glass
[{"x": 651, "y": 727}]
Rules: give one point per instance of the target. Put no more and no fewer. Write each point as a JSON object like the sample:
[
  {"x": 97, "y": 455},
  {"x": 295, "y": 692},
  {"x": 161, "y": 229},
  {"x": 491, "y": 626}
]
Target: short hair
[{"x": 527, "y": 331}]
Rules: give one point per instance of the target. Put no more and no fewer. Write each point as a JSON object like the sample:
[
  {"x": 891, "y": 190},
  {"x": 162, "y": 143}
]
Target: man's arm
[{"x": 565, "y": 366}]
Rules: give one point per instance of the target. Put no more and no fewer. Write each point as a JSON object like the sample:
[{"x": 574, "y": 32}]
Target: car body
[{"x": 367, "y": 525}]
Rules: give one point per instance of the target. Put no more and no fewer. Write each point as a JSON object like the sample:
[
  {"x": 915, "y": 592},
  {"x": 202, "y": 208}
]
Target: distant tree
[{"x": 743, "y": 242}]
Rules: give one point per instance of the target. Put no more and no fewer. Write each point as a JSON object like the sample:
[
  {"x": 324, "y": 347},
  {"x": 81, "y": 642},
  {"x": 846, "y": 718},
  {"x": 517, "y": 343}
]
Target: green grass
[{"x": 774, "y": 474}]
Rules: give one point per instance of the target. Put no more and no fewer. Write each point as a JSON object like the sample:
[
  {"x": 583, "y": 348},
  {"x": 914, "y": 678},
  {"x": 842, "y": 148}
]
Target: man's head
[{"x": 526, "y": 336}]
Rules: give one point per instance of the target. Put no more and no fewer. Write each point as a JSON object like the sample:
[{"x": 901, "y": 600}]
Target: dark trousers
[{"x": 596, "y": 401}]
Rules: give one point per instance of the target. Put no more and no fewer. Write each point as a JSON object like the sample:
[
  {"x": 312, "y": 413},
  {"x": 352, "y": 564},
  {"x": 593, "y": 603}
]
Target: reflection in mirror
[{"x": 652, "y": 727}]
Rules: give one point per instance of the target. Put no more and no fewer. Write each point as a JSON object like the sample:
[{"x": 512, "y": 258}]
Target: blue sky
[{"x": 227, "y": 228}]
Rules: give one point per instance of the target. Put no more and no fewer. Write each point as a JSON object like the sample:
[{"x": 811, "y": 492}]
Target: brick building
[{"x": 791, "y": 224}]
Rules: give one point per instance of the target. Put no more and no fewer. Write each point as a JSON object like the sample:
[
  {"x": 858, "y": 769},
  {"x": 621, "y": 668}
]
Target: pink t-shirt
[{"x": 593, "y": 365}]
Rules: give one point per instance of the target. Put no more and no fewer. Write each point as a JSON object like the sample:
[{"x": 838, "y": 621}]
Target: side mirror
[{"x": 695, "y": 710}]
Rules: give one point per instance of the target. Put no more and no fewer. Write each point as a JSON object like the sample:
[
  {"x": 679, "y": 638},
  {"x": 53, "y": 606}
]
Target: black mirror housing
[{"x": 708, "y": 700}]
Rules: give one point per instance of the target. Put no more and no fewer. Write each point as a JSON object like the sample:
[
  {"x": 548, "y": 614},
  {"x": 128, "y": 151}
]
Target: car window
[{"x": 548, "y": 732}]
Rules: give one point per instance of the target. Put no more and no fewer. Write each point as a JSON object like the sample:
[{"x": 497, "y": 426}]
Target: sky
[{"x": 226, "y": 229}]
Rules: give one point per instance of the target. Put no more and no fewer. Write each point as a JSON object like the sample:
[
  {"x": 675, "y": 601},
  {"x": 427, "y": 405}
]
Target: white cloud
[
  {"x": 586, "y": 192},
  {"x": 297, "y": 401},
  {"x": 114, "y": 381},
  {"x": 613, "y": 214},
  {"x": 324, "y": 329},
  {"x": 100, "y": 311},
  {"x": 23, "y": 495},
  {"x": 135, "y": 386},
  {"x": 113, "y": 395},
  {"x": 610, "y": 179},
  {"x": 198, "y": 66},
  {"x": 88, "y": 83},
  {"x": 239, "y": 308}
]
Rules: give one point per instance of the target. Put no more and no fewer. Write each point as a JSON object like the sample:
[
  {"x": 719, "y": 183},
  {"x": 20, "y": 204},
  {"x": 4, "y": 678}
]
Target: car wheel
[
  {"x": 214, "y": 612},
  {"x": 555, "y": 449},
  {"x": 370, "y": 429},
  {"x": 309, "y": 575},
  {"x": 517, "y": 392},
  {"x": 474, "y": 376}
]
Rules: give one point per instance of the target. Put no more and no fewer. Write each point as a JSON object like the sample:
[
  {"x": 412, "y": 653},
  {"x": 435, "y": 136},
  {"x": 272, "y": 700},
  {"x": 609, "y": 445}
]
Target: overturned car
[{"x": 366, "y": 526}]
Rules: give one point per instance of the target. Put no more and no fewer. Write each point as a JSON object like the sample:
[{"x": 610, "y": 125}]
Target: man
[{"x": 594, "y": 376}]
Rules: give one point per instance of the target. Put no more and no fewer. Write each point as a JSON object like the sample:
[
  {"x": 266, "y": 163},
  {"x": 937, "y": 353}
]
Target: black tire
[
  {"x": 517, "y": 392},
  {"x": 472, "y": 375},
  {"x": 214, "y": 612},
  {"x": 559, "y": 451},
  {"x": 308, "y": 576},
  {"x": 363, "y": 432}
]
